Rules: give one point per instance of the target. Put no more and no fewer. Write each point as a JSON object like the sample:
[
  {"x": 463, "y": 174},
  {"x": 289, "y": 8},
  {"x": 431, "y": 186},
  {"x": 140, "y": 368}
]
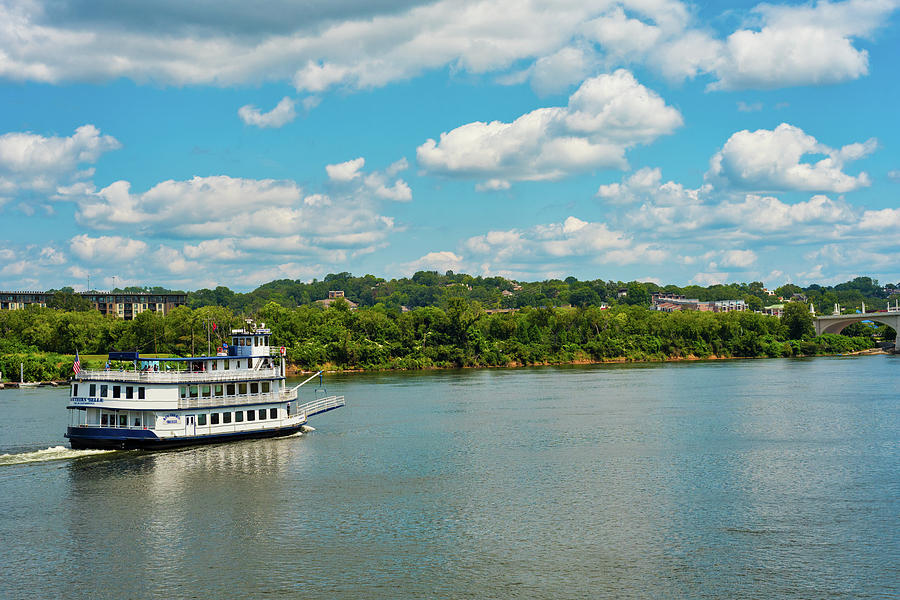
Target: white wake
[{"x": 52, "y": 453}]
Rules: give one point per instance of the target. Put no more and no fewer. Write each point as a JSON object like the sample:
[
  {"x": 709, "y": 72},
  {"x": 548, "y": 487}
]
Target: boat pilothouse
[{"x": 239, "y": 393}]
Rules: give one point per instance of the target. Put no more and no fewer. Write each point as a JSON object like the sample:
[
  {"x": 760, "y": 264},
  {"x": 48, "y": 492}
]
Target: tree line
[{"x": 456, "y": 332}]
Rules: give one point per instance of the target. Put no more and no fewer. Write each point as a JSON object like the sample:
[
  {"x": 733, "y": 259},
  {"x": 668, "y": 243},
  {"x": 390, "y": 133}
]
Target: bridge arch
[
  {"x": 837, "y": 323},
  {"x": 839, "y": 326}
]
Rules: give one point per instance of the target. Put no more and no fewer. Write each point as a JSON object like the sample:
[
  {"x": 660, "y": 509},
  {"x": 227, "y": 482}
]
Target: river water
[{"x": 727, "y": 479}]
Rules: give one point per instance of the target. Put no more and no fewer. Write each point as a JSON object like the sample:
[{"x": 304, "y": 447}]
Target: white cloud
[
  {"x": 707, "y": 279},
  {"x": 862, "y": 258},
  {"x": 399, "y": 191},
  {"x": 14, "y": 268},
  {"x": 320, "y": 45},
  {"x": 281, "y": 115},
  {"x": 32, "y": 161},
  {"x": 493, "y": 185},
  {"x": 605, "y": 116},
  {"x": 215, "y": 250},
  {"x": 749, "y": 107},
  {"x": 558, "y": 243},
  {"x": 894, "y": 175},
  {"x": 52, "y": 256},
  {"x": 435, "y": 261},
  {"x": 740, "y": 259},
  {"x": 107, "y": 249},
  {"x": 880, "y": 220},
  {"x": 770, "y": 160},
  {"x": 758, "y": 217},
  {"x": 234, "y": 221},
  {"x": 376, "y": 183},
  {"x": 569, "y": 65},
  {"x": 345, "y": 171},
  {"x": 801, "y": 45}
]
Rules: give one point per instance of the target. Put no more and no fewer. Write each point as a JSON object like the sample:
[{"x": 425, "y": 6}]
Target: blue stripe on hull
[{"x": 143, "y": 439}]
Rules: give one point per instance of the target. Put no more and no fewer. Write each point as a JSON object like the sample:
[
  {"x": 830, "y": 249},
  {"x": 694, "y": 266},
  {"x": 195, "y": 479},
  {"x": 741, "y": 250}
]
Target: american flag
[{"x": 77, "y": 366}]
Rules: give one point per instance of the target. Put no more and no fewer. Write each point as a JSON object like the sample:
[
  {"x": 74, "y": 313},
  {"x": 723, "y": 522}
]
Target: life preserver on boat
[{"x": 283, "y": 350}]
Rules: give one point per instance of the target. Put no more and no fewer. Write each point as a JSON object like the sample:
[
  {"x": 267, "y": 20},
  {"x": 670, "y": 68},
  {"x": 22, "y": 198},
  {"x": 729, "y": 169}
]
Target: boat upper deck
[{"x": 186, "y": 377}]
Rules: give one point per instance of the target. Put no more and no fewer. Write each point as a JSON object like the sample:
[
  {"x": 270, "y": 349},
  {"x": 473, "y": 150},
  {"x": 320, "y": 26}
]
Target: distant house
[
  {"x": 622, "y": 292},
  {"x": 335, "y": 296},
  {"x": 506, "y": 293},
  {"x": 666, "y": 307},
  {"x": 669, "y": 302},
  {"x": 775, "y": 310}
]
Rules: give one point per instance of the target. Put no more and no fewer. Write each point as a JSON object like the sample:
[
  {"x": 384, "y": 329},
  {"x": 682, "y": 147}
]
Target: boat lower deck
[{"x": 113, "y": 438}]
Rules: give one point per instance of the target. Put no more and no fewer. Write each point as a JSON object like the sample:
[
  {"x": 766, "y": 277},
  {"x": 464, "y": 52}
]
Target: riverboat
[{"x": 150, "y": 403}]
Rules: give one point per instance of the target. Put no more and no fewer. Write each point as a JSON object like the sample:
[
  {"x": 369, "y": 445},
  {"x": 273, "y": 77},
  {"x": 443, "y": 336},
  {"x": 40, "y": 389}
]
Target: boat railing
[
  {"x": 178, "y": 376},
  {"x": 321, "y": 405},
  {"x": 212, "y": 401}
]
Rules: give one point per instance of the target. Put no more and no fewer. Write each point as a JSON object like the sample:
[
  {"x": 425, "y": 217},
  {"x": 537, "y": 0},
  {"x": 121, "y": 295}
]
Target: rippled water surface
[{"x": 738, "y": 479}]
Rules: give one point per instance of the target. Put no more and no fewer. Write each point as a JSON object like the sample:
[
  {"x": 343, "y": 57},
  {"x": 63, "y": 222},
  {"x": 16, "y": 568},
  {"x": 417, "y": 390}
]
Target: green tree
[{"x": 798, "y": 320}]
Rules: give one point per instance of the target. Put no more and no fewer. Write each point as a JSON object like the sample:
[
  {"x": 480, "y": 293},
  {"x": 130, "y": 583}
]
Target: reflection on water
[
  {"x": 202, "y": 506},
  {"x": 742, "y": 479}
]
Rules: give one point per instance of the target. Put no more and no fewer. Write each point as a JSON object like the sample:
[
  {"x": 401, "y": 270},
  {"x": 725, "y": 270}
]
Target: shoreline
[{"x": 292, "y": 371}]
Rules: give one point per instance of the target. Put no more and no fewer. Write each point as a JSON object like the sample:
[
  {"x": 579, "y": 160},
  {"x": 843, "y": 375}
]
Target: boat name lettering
[
  {"x": 86, "y": 400},
  {"x": 171, "y": 419}
]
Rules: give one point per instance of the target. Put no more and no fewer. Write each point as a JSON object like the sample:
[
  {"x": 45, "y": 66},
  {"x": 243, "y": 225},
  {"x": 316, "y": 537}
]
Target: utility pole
[{"x": 208, "y": 350}]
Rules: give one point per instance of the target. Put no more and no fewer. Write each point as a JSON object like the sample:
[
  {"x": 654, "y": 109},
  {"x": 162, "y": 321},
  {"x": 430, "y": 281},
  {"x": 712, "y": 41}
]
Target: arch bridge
[{"x": 836, "y": 323}]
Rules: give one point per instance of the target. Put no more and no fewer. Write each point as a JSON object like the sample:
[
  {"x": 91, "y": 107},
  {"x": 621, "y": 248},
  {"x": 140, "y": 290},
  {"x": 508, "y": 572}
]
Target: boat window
[
  {"x": 265, "y": 387},
  {"x": 93, "y": 390},
  {"x": 104, "y": 419},
  {"x": 262, "y": 414},
  {"x": 123, "y": 419},
  {"x": 74, "y": 389},
  {"x": 254, "y": 388},
  {"x": 194, "y": 391},
  {"x": 273, "y": 413},
  {"x": 251, "y": 415},
  {"x": 230, "y": 389},
  {"x": 227, "y": 363},
  {"x": 214, "y": 418},
  {"x": 238, "y": 416},
  {"x": 207, "y": 392},
  {"x": 141, "y": 393},
  {"x": 218, "y": 389},
  {"x": 242, "y": 389},
  {"x": 226, "y": 417},
  {"x": 215, "y": 365},
  {"x": 201, "y": 419},
  {"x": 104, "y": 391},
  {"x": 184, "y": 391},
  {"x": 129, "y": 393},
  {"x": 137, "y": 419},
  {"x": 117, "y": 391}
]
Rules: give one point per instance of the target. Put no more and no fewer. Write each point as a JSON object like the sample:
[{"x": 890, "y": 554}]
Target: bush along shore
[{"x": 457, "y": 334}]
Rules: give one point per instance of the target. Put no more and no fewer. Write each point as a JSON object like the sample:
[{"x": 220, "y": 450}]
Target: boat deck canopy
[{"x": 131, "y": 356}]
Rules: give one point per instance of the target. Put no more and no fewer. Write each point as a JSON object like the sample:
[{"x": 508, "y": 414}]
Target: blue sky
[{"x": 232, "y": 143}]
